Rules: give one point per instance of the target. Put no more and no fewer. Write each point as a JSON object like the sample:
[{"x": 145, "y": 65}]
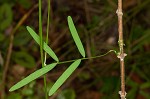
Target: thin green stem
[
  {"x": 48, "y": 24},
  {"x": 41, "y": 44},
  {"x": 63, "y": 62}
]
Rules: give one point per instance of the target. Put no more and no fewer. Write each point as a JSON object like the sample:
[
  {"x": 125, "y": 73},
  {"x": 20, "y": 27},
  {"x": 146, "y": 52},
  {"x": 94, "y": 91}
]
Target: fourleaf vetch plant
[
  {"x": 49, "y": 67},
  {"x": 76, "y": 62}
]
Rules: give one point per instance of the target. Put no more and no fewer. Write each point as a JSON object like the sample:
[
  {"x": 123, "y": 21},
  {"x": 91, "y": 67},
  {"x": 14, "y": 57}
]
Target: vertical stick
[
  {"x": 121, "y": 54},
  {"x": 41, "y": 45}
]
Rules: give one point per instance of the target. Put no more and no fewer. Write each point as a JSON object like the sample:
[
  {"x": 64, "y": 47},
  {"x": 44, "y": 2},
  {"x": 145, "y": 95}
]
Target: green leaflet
[
  {"x": 45, "y": 46},
  {"x": 76, "y": 36},
  {"x": 64, "y": 76},
  {"x": 33, "y": 76}
]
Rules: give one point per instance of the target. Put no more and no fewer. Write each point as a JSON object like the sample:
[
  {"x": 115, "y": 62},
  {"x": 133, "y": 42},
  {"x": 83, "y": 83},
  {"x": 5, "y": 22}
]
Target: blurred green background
[{"x": 97, "y": 24}]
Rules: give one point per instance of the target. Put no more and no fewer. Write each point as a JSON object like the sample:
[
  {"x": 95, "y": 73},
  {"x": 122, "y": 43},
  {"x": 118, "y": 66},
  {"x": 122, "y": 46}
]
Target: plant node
[
  {"x": 122, "y": 56},
  {"x": 119, "y": 12},
  {"x": 122, "y": 95},
  {"x": 121, "y": 43}
]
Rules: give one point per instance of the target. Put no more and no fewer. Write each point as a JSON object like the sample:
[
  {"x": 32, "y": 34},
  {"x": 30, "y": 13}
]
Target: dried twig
[{"x": 121, "y": 54}]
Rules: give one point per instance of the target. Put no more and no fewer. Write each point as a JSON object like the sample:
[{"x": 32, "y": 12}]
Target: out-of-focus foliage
[
  {"x": 23, "y": 59},
  {"x": 67, "y": 94},
  {"x": 6, "y": 16},
  {"x": 22, "y": 38},
  {"x": 25, "y": 3},
  {"x": 14, "y": 96}
]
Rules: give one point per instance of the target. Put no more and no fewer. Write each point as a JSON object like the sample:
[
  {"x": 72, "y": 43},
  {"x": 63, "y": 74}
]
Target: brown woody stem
[{"x": 121, "y": 54}]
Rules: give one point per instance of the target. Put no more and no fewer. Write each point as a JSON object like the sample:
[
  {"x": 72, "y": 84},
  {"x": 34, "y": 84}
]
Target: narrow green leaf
[
  {"x": 45, "y": 46},
  {"x": 33, "y": 76},
  {"x": 76, "y": 36},
  {"x": 64, "y": 76}
]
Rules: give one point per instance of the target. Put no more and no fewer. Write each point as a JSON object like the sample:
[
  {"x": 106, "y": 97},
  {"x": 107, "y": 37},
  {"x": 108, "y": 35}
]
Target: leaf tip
[
  {"x": 11, "y": 89},
  {"x": 50, "y": 93},
  {"x": 69, "y": 18},
  {"x": 79, "y": 60},
  {"x": 27, "y": 27},
  {"x": 57, "y": 60},
  {"x": 83, "y": 55}
]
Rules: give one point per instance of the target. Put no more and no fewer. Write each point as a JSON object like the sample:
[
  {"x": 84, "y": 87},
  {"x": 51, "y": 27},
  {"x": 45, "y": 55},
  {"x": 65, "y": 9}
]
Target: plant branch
[
  {"x": 63, "y": 62},
  {"x": 121, "y": 54}
]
